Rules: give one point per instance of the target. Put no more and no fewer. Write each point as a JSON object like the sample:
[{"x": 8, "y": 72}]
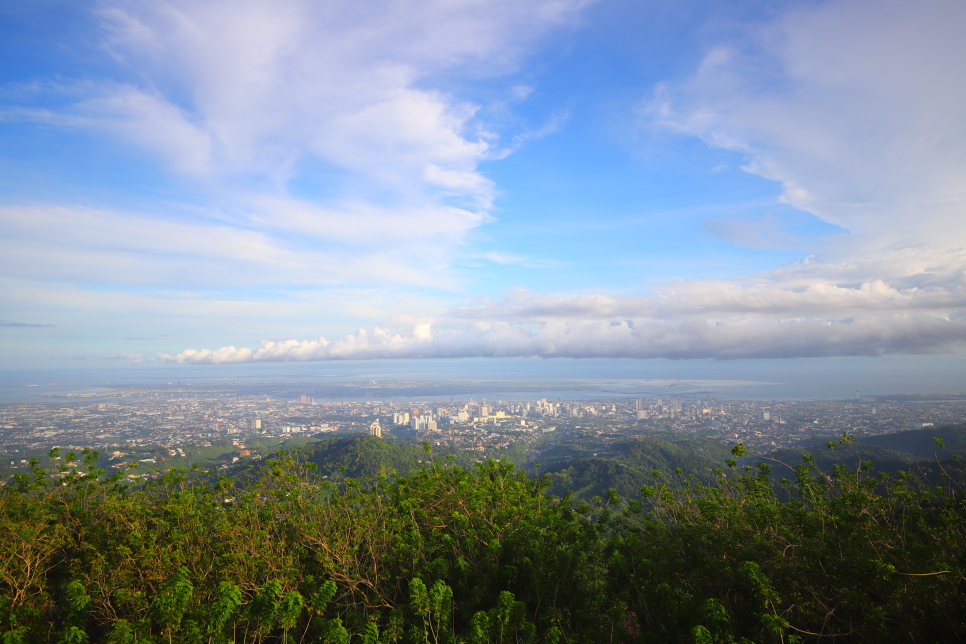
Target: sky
[{"x": 210, "y": 182}]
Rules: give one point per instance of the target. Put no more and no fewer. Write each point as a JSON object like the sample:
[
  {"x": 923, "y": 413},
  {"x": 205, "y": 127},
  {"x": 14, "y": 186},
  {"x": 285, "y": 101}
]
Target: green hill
[
  {"x": 850, "y": 455},
  {"x": 634, "y": 465},
  {"x": 364, "y": 456},
  {"x": 371, "y": 456},
  {"x": 921, "y": 443}
]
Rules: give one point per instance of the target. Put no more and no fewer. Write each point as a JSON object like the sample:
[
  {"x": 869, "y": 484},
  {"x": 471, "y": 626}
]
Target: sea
[{"x": 564, "y": 378}]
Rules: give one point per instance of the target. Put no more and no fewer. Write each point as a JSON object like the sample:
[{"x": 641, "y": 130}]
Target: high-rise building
[
  {"x": 375, "y": 429},
  {"x": 257, "y": 423},
  {"x": 639, "y": 404}
]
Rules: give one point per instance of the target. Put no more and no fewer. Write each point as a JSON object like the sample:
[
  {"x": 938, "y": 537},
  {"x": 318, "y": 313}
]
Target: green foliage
[
  {"x": 77, "y": 603},
  {"x": 446, "y": 555},
  {"x": 634, "y": 466},
  {"x": 884, "y": 460},
  {"x": 290, "y": 608},
  {"x": 74, "y": 635},
  {"x": 223, "y": 609},
  {"x": 263, "y": 610},
  {"x": 922, "y": 442},
  {"x": 171, "y": 602},
  {"x": 362, "y": 456}
]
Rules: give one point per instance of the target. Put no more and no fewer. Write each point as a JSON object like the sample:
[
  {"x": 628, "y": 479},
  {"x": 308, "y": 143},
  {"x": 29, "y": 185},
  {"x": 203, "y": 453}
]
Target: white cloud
[
  {"x": 867, "y": 335},
  {"x": 84, "y": 245},
  {"x": 511, "y": 259},
  {"x": 855, "y": 107},
  {"x": 134, "y": 358},
  {"x": 901, "y": 280},
  {"x": 247, "y": 97},
  {"x": 858, "y": 108},
  {"x": 254, "y": 86},
  {"x": 906, "y": 301}
]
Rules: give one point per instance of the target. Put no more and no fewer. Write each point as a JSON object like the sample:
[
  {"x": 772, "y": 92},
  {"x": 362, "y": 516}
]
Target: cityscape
[{"x": 163, "y": 427}]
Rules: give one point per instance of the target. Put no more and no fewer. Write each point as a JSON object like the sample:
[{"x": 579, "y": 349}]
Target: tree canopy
[{"x": 485, "y": 553}]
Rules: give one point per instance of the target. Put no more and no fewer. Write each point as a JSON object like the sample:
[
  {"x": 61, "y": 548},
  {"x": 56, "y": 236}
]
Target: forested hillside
[
  {"x": 852, "y": 455},
  {"x": 633, "y": 464},
  {"x": 921, "y": 443},
  {"x": 359, "y": 456},
  {"x": 447, "y": 554}
]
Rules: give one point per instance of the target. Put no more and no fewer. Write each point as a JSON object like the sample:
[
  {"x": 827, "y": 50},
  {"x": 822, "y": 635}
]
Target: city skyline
[{"x": 186, "y": 184}]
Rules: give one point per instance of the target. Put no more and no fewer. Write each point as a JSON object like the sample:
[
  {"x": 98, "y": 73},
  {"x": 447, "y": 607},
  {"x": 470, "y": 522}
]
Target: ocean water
[{"x": 800, "y": 379}]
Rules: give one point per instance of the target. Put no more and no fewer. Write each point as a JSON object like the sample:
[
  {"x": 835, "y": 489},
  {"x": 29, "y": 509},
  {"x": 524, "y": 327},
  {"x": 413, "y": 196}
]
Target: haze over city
[{"x": 740, "y": 191}]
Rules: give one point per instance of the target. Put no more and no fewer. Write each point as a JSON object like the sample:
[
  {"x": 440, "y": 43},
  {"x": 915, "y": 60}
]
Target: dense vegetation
[
  {"x": 449, "y": 554},
  {"x": 886, "y": 460},
  {"x": 920, "y": 443},
  {"x": 630, "y": 464},
  {"x": 359, "y": 456}
]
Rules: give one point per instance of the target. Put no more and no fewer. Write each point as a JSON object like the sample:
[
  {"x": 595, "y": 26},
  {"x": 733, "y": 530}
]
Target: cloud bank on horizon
[
  {"x": 340, "y": 161},
  {"x": 794, "y": 315}
]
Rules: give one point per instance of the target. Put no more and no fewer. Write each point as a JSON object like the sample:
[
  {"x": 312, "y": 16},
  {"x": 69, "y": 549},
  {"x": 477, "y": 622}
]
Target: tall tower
[{"x": 375, "y": 429}]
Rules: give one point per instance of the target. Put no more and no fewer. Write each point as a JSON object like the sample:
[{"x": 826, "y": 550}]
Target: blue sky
[{"x": 222, "y": 182}]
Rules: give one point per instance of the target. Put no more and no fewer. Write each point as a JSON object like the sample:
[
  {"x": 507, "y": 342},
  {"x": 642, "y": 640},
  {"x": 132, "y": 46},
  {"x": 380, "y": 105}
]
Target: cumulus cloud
[
  {"x": 867, "y": 335},
  {"x": 909, "y": 302},
  {"x": 904, "y": 281}
]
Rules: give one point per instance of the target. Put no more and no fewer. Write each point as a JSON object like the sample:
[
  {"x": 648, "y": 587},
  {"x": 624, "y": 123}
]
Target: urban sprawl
[{"x": 174, "y": 425}]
